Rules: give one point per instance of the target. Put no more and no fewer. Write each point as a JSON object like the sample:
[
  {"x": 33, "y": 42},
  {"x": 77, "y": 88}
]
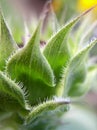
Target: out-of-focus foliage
[
  {"x": 14, "y": 20},
  {"x": 78, "y": 118}
]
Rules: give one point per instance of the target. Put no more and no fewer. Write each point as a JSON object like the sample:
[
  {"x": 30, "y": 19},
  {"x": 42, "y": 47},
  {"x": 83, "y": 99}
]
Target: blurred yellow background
[{"x": 81, "y": 4}]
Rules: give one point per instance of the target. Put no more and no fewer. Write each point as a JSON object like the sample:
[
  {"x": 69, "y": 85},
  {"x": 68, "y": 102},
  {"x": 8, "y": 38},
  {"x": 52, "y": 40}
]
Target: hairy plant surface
[{"x": 37, "y": 85}]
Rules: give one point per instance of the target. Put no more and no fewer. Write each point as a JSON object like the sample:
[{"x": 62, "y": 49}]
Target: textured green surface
[
  {"x": 7, "y": 44},
  {"x": 35, "y": 81}
]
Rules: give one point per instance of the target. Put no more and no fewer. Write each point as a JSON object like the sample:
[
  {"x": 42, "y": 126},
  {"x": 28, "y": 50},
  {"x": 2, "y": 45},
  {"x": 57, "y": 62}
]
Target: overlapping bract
[{"x": 53, "y": 72}]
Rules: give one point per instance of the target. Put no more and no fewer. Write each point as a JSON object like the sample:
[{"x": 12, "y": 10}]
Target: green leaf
[
  {"x": 92, "y": 68},
  {"x": 57, "y": 50},
  {"x": 91, "y": 79},
  {"x": 29, "y": 66},
  {"x": 54, "y": 22},
  {"x": 14, "y": 20},
  {"x": 7, "y": 44},
  {"x": 44, "y": 107},
  {"x": 11, "y": 95},
  {"x": 87, "y": 33},
  {"x": 75, "y": 74}
]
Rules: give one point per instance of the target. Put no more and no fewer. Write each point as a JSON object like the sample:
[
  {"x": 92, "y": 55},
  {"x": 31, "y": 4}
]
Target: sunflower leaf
[
  {"x": 29, "y": 66},
  {"x": 7, "y": 44},
  {"x": 57, "y": 49},
  {"x": 76, "y": 72},
  {"x": 11, "y": 95},
  {"x": 46, "y": 106}
]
